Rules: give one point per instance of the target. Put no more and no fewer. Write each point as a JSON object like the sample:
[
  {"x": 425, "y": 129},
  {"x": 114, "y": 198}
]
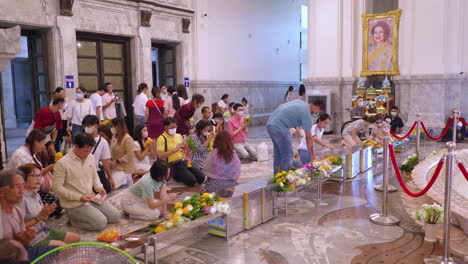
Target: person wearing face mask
[
  {"x": 171, "y": 147},
  {"x": 378, "y": 133},
  {"x": 317, "y": 131},
  {"x": 122, "y": 146},
  {"x": 396, "y": 125},
  {"x": 202, "y": 138},
  {"x": 35, "y": 144},
  {"x": 238, "y": 129},
  {"x": 77, "y": 110},
  {"x": 185, "y": 112},
  {"x": 350, "y": 133},
  {"x": 48, "y": 118},
  {"x": 358, "y": 111},
  {"x": 101, "y": 152},
  {"x": 139, "y": 203},
  {"x": 142, "y": 162}
]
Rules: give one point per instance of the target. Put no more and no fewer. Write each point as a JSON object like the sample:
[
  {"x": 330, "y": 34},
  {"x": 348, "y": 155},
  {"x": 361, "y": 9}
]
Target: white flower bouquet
[{"x": 430, "y": 213}]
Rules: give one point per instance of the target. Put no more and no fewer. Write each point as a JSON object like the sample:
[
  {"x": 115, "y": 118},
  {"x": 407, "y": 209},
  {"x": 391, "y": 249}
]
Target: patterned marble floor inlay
[{"x": 335, "y": 232}]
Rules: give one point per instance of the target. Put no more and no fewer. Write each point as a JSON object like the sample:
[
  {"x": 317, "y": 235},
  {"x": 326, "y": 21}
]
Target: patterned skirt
[{"x": 219, "y": 186}]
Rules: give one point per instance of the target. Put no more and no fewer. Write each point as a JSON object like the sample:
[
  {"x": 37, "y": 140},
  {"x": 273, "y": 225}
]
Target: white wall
[
  {"x": 433, "y": 37},
  {"x": 247, "y": 40}
]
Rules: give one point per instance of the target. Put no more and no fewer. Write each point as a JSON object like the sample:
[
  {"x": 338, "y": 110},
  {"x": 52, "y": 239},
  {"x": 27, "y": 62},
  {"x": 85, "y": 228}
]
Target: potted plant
[
  {"x": 432, "y": 215},
  {"x": 408, "y": 165}
]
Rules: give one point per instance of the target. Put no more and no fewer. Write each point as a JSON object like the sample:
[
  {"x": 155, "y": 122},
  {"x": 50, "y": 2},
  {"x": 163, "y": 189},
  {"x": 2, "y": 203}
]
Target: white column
[
  {"x": 66, "y": 55},
  {"x": 334, "y": 38}
]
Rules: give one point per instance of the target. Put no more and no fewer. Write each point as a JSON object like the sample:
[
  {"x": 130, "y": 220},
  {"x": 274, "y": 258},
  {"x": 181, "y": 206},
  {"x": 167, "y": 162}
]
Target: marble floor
[{"x": 334, "y": 231}]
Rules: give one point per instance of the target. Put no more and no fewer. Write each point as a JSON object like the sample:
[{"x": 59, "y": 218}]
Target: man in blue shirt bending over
[{"x": 296, "y": 113}]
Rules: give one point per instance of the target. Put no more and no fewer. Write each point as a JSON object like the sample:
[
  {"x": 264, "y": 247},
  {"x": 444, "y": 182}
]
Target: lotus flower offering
[
  {"x": 58, "y": 156},
  {"x": 109, "y": 236},
  {"x": 194, "y": 207}
]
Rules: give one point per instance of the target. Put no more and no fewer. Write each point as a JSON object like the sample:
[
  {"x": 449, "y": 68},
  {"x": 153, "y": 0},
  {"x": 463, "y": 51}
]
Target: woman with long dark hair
[
  {"x": 155, "y": 112},
  {"x": 142, "y": 153},
  {"x": 121, "y": 152},
  {"x": 30, "y": 153},
  {"x": 139, "y": 105},
  {"x": 202, "y": 138},
  {"x": 301, "y": 94},
  {"x": 289, "y": 96},
  {"x": 172, "y": 103},
  {"x": 222, "y": 167},
  {"x": 185, "y": 112}
]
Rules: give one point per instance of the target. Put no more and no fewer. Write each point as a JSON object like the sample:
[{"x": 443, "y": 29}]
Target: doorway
[
  {"x": 163, "y": 61},
  {"x": 104, "y": 59},
  {"x": 24, "y": 87}
]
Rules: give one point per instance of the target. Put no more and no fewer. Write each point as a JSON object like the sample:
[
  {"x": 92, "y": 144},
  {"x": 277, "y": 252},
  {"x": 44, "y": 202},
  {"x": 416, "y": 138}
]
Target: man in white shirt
[
  {"x": 109, "y": 100},
  {"x": 139, "y": 105},
  {"x": 101, "y": 152},
  {"x": 96, "y": 99},
  {"x": 223, "y": 104}
]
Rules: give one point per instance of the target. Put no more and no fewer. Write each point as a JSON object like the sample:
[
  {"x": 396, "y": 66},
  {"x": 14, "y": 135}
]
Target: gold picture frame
[{"x": 380, "y": 43}]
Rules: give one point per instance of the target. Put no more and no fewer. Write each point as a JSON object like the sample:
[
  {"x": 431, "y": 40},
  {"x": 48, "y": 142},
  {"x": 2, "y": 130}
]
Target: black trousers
[
  {"x": 187, "y": 176},
  {"x": 104, "y": 180}
]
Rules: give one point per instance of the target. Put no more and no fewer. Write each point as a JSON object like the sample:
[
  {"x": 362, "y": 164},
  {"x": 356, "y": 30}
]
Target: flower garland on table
[
  {"x": 194, "y": 207},
  {"x": 287, "y": 181},
  {"x": 381, "y": 98},
  {"x": 372, "y": 143}
]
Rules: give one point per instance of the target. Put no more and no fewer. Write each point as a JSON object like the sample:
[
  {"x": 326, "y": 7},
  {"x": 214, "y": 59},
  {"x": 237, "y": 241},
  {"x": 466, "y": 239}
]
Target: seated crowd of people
[{"x": 100, "y": 156}]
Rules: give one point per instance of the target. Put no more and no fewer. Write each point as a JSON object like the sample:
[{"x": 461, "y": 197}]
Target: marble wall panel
[{"x": 263, "y": 96}]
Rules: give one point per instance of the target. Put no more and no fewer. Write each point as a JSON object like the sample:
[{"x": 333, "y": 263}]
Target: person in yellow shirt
[{"x": 171, "y": 147}]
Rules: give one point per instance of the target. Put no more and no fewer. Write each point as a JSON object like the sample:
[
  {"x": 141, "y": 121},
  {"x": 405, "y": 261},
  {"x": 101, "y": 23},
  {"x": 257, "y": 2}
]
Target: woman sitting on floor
[
  {"x": 122, "y": 153},
  {"x": 29, "y": 153},
  {"x": 222, "y": 167},
  {"x": 35, "y": 212},
  {"x": 202, "y": 138},
  {"x": 139, "y": 202},
  {"x": 142, "y": 163}
]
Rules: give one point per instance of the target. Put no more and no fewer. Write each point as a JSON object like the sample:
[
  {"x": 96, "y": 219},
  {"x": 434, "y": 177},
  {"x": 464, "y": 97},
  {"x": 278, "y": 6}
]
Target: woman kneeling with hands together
[{"x": 139, "y": 202}]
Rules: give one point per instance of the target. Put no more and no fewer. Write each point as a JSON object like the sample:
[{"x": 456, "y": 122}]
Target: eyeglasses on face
[{"x": 14, "y": 186}]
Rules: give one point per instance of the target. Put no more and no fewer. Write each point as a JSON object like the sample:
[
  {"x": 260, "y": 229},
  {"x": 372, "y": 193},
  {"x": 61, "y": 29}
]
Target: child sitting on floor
[{"x": 139, "y": 202}]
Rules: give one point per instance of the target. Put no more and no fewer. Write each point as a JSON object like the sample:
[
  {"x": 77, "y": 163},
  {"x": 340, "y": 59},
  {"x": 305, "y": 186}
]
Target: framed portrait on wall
[{"x": 380, "y": 43}]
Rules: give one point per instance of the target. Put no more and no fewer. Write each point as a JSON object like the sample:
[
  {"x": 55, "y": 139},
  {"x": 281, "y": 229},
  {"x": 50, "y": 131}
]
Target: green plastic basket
[{"x": 85, "y": 252}]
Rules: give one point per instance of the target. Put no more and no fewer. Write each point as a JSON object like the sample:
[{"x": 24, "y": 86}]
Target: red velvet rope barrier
[
  {"x": 463, "y": 121},
  {"x": 405, "y": 136},
  {"x": 443, "y": 132},
  {"x": 463, "y": 170},
  {"x": 400, "y": 179}
]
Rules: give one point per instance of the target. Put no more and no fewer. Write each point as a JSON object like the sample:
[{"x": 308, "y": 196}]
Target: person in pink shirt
[
  {"x": 238, "y": 129},
  {"x": 109, "y": 100}
]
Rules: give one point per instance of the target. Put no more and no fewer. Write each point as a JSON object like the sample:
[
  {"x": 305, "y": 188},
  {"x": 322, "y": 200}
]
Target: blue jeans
[
  {"x": 304, "y": 156},
  {"x": 282, "y": 149},
  {"x": 140, "y": 119},
  {"x": 76, "y": 130}
]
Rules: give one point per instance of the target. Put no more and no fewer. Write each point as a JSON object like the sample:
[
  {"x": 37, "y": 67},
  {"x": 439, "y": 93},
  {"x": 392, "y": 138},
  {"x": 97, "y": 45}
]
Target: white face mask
[
  {"x": 113, "y": 130},
  {"x": 172, "y": 131},
  {"x": 361, "y": 104},
  {"x": 90, "y": 130},
  {"x": 144, "y": 134},
  {"x": 206, "y": 133},
  {"x": 240, "y": 113}
]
